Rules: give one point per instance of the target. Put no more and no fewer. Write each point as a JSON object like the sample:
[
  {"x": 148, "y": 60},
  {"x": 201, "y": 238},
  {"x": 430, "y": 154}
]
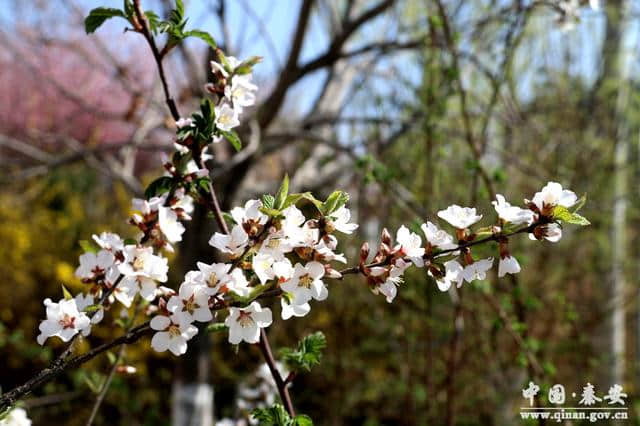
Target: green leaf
[
  {"x": 130, "y": 242},
  {"x": 275, "y": 415},
  {"x": 268, "y": 201},
  {"x": 302, "y": 420},
  {"x": 99, "y": 15},
  {"x": 112, "y": 357},
  {"x": 153, "y": 19},
  {"x": 233, "y": 139},
  {"x": 202, "y": 35},
  {"x": 282, "y": 193},
  {"x": 307, "y": 355},
  {"x": 67, "y": 295},
  {"x": 92, "y": 308},
  {"x": 216, "y": 327},
  {"x": 159, "y": 186},
  {"x": 563, "y": 214},
  {"x": 336, "y": 200},
  {"x": 88, "y": 246},
  {"x": 246, "y": 66},
  {"x": 576, "y": 207}
]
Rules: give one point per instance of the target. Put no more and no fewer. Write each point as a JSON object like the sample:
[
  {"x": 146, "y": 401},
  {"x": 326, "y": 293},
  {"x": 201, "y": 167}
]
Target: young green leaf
[
  {"x": 307, "y": 355},
  {"x": 282, "y": 193},
  {"x": 233, "y": 139},
  {"x": 268, "y": 201},
  {"x": 99, "y": 15},
  {"x": 216, "y": 327},
  {"x": 202, "y": 35},
  {"x": 159, "y": 186},
  {"x": 563, "y": 214},
  {"x": 336, "y": 200},
  {"x": 275, "y": 415},
  {"x": 67, "y": 295}
]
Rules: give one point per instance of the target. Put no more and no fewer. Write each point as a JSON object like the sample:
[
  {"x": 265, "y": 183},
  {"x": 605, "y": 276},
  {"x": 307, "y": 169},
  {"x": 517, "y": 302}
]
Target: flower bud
[
  {"x": 385, "y": 237},
  {"x": 332, "y": 273},
  {"x": 364, "y": 252}
]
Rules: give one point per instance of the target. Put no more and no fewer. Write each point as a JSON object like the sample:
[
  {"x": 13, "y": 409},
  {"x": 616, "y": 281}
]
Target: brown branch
[
  {"x": 283, "y": 390},
  {"x": 144, "y": 29},
  {"x": 105, "y": 387}
]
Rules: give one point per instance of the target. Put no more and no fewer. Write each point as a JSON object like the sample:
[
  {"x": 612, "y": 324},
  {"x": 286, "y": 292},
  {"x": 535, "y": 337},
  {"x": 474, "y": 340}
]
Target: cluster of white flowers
[
  {"x": 271, "y": 245},
  {"x": 120, "y": 269},
  {"x": 390, "y": 262}
]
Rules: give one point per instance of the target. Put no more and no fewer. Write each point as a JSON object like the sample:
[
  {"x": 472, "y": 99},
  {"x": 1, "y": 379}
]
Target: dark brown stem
[
  {"x": 265, "y": 348},
  {"x": 51, "y": 372},
  {"x": 144, "y": 28}
]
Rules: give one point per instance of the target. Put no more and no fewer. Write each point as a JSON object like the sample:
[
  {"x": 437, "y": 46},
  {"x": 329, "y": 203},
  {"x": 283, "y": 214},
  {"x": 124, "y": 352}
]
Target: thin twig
[
  {"x": 105, "y": 387},
  {"x": 283, "y": 390}
]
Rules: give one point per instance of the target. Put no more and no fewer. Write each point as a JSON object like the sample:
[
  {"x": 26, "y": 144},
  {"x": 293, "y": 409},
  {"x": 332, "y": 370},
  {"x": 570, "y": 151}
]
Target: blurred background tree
[{"x": 409, "y": 106}]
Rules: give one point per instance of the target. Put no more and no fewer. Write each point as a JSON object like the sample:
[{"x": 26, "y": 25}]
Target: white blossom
[
  {"x": 306, "y": 283},
  {"x": 171, "y": 335},
  {"x": 453, "y": 274},
  {"x": 233, "y": 243},
  {"x": 184, "y": 122},
  {"x": 459, "y": 217},
  {"x": 341, "y": 219},
  {"x": 241, "y": 92},
  {"x": 249, "y": 213},
  {"x": 238, "y": 283},
  {"x": 190, "y": 304},
  {"x": 83, "y": 301},
  {"x": 550, "y": 232},
  {"x": 292, "y": 224},
  {"x": 141, "y": 262},
  {"x": 411, "y": 245},
  {"x": 508, "y": 265},
  {"x": 437, "y": 237},
  {"x": 217, "y": 67},
  {"x": 290, "y": 309},
  {"x": 245, "y": 323},
  {"x": 553, "y": 195},
  {"x": 214, "y": 276},
  {"x": 16, "y": 417},
  {"x": 477, "y": 270},
  {"x": 64, "y": 320},
  {"x": 226, "y": 117},
  {"x": 512, "y": 214},
  {"x": 109, "y": 241},
  {"x": 94, "y": 265},
  {"x": 170, "y": 225}
]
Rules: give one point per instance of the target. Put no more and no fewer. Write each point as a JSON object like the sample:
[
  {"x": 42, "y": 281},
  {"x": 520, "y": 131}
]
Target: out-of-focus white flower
[
  {"x": 245, "y": 323},
  {"x": 459, "y": 217},
  {"x": 512, "y": 214},
  {"x": 170, "y": 225},
  {"x": 109, "y": 241},
  {"x": 16, "y": 417},
  {"x": 64, "y": 320},
  {"x": 184, "y": 122},
  {"x": 171, "y": 335},
  {"x": 241, "y": 92},
  {"x": 226, "y": 117}
]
